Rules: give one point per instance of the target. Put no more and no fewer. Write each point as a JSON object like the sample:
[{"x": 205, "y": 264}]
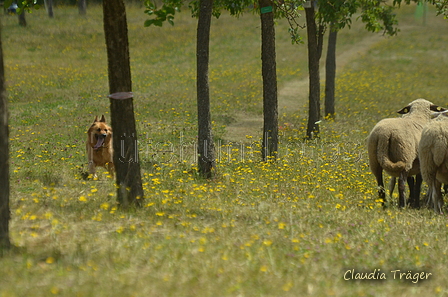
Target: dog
[{"x": 99, "y": 146}]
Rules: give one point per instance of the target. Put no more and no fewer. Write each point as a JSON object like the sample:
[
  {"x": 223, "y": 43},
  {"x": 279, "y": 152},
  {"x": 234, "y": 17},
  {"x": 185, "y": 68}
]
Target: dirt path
[{"x": 294, "y": 94}]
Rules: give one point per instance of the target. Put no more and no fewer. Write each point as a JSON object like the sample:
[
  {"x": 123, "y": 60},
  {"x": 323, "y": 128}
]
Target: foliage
[
  {"x": 442, "y": 7},
  {"x": 377, "y": 15},
  {"x": 339, "y": 12},
  {"x": 169, "y": 7},
  {"x": 291, "y": 11},
  {"x": 166, "y": 13},
  {"x": 25, "y": 5}
]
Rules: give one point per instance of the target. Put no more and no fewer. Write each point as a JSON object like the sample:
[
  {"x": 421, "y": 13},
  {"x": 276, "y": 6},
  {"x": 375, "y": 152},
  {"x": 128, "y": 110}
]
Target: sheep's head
[{"x": 421, "y": 106}]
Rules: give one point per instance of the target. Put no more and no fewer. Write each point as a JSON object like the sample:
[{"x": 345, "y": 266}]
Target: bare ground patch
[{"x": 293, "y": 95}]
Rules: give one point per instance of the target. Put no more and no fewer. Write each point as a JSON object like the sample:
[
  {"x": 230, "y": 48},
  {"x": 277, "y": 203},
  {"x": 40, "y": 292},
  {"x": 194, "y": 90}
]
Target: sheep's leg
[
  {"x": 417, "y": 189},
  {"x": 432, "y": 189},
  {"x": 378, "y": 172},
  {"x": 429, "y": 203},
  {"x": 411, "y": 185},
  {"x": 402, "y": 188},
  {"x": 437, "y": 196},
  {"x": 392, "y": 182}
]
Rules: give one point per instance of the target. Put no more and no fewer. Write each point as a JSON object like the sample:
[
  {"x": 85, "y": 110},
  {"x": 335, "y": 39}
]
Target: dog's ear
[
  {"x": 103, "y": 119},
  {"x": 95, "y": 120}
]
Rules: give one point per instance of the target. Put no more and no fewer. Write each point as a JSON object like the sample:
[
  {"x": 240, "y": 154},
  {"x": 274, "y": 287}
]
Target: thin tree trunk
[
  {"x": 126, "y": 159},
  {"x": 313, "y": 68},
  {"x": 330, "y": 74},
  {"x": 22, "y": 19},
  {"x": 4, "y": 160},
  {"x": 82, "y": 7},
  {"x": 206, "y": 154},
  {"x": 320, "y": 40},
  {"x": 49, "y": 6},
  {"x": 270, "y": 103}
]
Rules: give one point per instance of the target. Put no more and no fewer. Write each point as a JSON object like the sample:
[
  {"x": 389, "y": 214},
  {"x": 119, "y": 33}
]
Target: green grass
[{"x": 291, "y": 228}]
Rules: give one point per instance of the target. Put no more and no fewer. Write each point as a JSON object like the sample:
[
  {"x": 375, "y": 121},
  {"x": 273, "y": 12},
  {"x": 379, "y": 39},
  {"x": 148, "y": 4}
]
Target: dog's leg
[
  {"x": 92, "y": 169},
  {"x": 111, "y": 169}
]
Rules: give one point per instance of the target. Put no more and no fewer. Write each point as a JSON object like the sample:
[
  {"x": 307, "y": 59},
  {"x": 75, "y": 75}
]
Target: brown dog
[{"x": 99, "y": 146}]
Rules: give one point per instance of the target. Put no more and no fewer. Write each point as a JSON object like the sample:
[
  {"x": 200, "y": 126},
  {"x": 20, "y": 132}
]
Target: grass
[{"x": 288, "y": 228}]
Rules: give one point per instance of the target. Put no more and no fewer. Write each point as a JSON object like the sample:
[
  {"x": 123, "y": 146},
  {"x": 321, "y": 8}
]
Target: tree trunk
[
  {"x": 4, "y": 162},
  {"x": 320, "y": 40},
  {"x": 330, "y": 74},
  {"x": 126, "y": 160},
  {"x": 22, "y": 19},
  {"x": 270, "y": 104},
  {"x": 313, "y": 68},
  {"x": 116, "y": 33},
  {"x": 206, "y": 154},
  {"x": 82, "y": 7},
  {"x": 49, "y": 6}
]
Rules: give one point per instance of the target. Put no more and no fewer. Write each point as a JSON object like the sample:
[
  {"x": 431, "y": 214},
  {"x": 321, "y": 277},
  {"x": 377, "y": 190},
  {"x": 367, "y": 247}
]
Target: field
[{"x": 306, "y": 225}]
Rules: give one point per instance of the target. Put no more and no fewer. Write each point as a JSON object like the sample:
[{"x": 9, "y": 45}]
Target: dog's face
[{"x": 100, "y": 134}]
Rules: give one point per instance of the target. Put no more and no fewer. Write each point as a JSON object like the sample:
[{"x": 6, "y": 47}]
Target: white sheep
[
  {"x": 393, "y": 147},
  {"x": 433, "y": 155}
]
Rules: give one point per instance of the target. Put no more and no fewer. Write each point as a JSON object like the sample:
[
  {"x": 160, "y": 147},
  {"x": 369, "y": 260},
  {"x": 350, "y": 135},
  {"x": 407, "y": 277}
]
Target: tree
[
  {"x": 335, "y": 14},
  {"x": 315, "y": 36},
  {"x": 4, "y": 160},
  {"x": 330, "y": 73},
  {"x": 269, "y": 73},
  {"x": 377, "y": 17},
  {"x": 82, "y": 7},
  {"x": 126, "y": 159},
  {"x": 49, "y": 7},
  {"x": 22, "y": 19},
  {"x": 270, "y": 126},
  {"x": 206, "y": 153},
  {"x": 315, "y": 32},
  {"x": 203, "y": 9}
]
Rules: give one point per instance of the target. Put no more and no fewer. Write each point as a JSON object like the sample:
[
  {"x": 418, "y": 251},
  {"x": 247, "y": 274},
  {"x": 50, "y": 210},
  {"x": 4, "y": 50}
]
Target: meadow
[{"x": 302, "y": 226}]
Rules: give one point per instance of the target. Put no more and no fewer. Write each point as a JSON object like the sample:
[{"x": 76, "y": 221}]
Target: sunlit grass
[{"x": 286, "y": 228}]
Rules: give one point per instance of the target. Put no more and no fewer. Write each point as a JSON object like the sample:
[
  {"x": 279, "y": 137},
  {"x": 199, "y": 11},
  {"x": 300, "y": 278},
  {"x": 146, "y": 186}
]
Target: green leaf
[
  {"x": 158, "y": 23},
  {"x": 170, "y": 20},
  {"x": 148, "y": 23},
  {"x": 169, "y": 10},
  {"x": 149, "y": 12},
  {"x": 7, "y": 3}
]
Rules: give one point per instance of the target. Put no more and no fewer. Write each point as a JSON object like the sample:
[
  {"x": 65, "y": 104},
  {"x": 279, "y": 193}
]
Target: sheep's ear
[
  {"x": 404, "y": 110},
  {"x": 437, "y": 108}
]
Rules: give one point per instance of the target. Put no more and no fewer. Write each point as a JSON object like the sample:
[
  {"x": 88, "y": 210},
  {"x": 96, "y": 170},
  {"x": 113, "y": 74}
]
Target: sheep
[
  {"x": 393, "y": 146},
  {"x": 433, "y": 155}
]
